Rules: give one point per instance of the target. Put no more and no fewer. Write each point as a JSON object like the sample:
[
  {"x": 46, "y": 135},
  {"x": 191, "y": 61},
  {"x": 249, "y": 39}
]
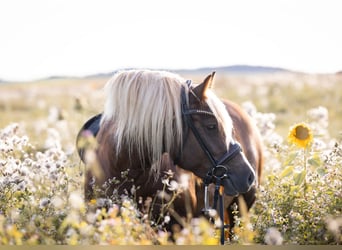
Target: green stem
[{"x": 304, "y": 172}]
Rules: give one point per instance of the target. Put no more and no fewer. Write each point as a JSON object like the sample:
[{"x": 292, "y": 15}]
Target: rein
[{"x": 218, "y": 172}]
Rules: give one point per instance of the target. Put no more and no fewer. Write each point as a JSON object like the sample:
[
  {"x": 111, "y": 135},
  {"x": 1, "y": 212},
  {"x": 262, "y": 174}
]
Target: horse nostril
[{"x": 251, "y": 179}]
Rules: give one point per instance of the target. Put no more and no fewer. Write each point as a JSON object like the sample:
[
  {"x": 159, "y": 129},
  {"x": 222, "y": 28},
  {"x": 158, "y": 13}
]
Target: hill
[{"x": 236, "y": 69}]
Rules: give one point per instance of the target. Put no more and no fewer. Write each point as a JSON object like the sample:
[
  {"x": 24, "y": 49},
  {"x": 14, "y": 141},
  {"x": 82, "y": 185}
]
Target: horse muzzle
[
  {"x": 236, "y": 176},
  {"x": 240, "y": 182},
  {"x": 230, "y": 188}
]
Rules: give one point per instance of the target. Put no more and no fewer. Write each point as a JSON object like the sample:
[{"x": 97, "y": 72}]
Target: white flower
[
  {"x": 91, "y": 217},
  {"x": 167, "y": 219},
  {"x": 76, "y": 201},
  {"x": 334, "y": 225},
  {"x": 320, "y": 114},
  {"x": 44, "y": 202},
  {"x": 166, "y": 181},
  {"x": 57, "y": 202},
  {"x": 169, "y": 173},
  {"x": 53, "y": 139},
  {"x": 273, "y": 237},
  {"x": 212, "y": 213},
  {"x": 173, "y": 186}
]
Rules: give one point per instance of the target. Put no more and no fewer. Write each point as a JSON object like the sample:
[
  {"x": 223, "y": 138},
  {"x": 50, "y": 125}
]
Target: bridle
[
  {"x": 216, "y": 165},
  {"x": 218, "y": 172}
]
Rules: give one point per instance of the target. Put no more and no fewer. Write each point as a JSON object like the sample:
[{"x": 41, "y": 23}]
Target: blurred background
[
  {"x": 42, "y": 39},
  {"x": 55, "y": 56}
]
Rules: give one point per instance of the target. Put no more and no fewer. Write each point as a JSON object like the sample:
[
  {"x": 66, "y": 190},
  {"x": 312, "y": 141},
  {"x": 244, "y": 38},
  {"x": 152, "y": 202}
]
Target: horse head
[{"x": 209, "y": 149}]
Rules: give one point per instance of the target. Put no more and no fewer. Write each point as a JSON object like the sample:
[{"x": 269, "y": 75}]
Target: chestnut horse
[{"x": 156, "y": 122}]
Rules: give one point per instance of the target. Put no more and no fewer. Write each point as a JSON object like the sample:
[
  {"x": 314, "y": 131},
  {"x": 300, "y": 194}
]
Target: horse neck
[{"x": 113, "y": 163}]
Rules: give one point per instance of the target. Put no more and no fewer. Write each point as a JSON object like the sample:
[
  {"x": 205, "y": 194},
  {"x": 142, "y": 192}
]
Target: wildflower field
[{"x": 41, "y": 176}]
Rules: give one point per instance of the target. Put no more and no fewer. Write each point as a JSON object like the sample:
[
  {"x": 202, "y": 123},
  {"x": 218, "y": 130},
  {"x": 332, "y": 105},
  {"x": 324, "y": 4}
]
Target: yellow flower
[
  {"x": 14, "y": 233},
  {"x": 300, "y": 135},
  {"x": 93, "y": 202}
]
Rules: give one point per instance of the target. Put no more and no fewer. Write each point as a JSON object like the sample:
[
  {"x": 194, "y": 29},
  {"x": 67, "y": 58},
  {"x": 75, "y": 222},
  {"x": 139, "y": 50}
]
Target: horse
[{"x": 155, "y": 123}]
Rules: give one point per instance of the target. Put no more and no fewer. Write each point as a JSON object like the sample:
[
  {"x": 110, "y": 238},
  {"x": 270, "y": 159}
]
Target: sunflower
[{"x": 300, "y": 135}]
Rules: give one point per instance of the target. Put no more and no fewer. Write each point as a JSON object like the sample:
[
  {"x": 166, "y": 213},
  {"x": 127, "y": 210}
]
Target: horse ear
[{"x": 201, "y": 89}]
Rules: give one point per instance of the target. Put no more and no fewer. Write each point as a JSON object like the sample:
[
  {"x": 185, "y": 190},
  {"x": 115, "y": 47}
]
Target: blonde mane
[
  {"x": 221, "y": 114},
  {"x": 145, "y": 109}
]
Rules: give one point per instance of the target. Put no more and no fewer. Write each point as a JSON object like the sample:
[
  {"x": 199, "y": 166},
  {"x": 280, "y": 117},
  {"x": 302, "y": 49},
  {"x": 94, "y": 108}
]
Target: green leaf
[
  {"x": 315, "y": 161},
  {"x": 286, "y": 172},
  {"x": 321, "y": 171},
  {"x": 290, "y": 158},
  {"x": 294, "y": 190},
  {"x": 299, "y": 177}
]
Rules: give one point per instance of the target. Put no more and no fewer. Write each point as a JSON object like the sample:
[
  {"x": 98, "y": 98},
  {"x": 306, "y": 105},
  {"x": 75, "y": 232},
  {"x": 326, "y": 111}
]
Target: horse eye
[{"x": 211, "y": 126}]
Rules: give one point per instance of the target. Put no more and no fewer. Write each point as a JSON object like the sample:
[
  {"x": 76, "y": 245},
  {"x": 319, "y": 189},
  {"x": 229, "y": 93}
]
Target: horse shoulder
[{"x": 102, "y": 169}]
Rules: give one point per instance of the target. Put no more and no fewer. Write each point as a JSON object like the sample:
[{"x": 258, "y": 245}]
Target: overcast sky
[{"x": 41, "y": 38}]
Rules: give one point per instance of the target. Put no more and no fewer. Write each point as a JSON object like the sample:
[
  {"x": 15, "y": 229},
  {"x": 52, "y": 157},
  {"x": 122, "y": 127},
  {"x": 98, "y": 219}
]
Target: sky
[{"x": 43, "y": 38}]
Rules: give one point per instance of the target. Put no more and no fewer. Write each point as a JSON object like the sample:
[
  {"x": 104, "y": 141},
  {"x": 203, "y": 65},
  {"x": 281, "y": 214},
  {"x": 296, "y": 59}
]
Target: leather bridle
[
  {"x": 216, "y": 165},
  {"x": 218, "y": 172}
]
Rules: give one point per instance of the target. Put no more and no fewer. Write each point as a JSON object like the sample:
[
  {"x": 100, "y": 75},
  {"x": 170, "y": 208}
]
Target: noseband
[{"x": 218, "y": 172}]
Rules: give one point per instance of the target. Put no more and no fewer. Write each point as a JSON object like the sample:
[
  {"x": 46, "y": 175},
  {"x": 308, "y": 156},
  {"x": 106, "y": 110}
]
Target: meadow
[{"x": 41, "y": 176}]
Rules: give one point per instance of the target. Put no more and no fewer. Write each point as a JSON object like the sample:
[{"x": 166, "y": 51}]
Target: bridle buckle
[{"x": 219, "y": 172}]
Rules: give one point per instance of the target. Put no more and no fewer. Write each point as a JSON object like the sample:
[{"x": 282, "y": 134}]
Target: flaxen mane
[{"x": 145, "y": 109}]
